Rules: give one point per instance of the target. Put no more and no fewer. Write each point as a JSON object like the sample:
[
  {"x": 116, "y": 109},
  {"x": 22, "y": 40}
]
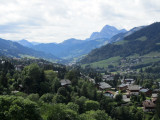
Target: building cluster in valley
[{"x": 127, "y": 88}]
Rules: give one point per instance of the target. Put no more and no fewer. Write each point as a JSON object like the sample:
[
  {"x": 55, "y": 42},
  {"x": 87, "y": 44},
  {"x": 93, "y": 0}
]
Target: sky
[{"x": 49, "y": 21}]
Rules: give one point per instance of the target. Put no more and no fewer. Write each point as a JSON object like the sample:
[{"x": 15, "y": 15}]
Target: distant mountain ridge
[
  {"x": 14, "y": 49},
  {"x": 122, "y": 35},
  {"x": 27, "y": 43},
  {"x": 143, "y": 41},
  {"x": 106, "y": 32},
  {"x": 75, "y": 48}
]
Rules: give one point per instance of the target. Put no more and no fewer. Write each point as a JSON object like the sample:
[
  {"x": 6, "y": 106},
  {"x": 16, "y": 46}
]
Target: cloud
[{"x": 58, "y": 20}]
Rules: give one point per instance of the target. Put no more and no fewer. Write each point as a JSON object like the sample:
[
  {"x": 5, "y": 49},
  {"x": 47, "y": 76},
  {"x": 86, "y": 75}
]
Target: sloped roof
[
  {"x": 148, "y": 104},
  {"x": 154, "y": 95},
  {"x": 104, "y": 85},
  {"x": 133, "y": 87},
  {"x": 129, "y": 79},
  {"x": 65, "y": 82},
  {"x": 144, "y": 90},
  {"x": 122, "y": 85}
]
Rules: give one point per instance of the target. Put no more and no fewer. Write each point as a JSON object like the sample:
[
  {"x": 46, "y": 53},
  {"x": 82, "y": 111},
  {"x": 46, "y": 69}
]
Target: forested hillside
[
  {"x": 14, "y": 49},
  {"x": 141, "y": 42}
]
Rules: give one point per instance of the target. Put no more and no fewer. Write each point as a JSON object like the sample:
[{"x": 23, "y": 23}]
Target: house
[
  {"x": 125, "y": 98},
  {"x": 154, "y": 97},
  {"x": 129, "y": 81},
  {"x": 109, "y": 94},
  {"x": 147, "y": 92},
  {"x": 148, "y": 106},
  {"x": 92, "y": 80},
  {"x": 103, "y": 85},
  {"x": 122, "y": 87},
  {"x": 2, "y": 62},
  {"x": 65, "y": 82},
  {"x": 107, "y": 78},
  {"x": 133, "y": 89},
  {"x": 18, "y": 67},
  {"x": 156, "y": 91}
]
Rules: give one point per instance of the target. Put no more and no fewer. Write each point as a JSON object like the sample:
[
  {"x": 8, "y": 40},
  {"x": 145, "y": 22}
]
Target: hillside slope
[
  {"x": 14, "y": 49},
  {"x": 74, "y": 48},
  {"x": 141, "y": 42}
]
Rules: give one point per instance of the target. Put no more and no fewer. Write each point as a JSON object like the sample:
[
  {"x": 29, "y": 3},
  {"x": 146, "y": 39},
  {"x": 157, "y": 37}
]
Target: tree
[
  {"x": 73, "y": 106},
  {"x": 158, "y": 106},
  {"x": 50, "y": 75},
  {"x": 81, "y": 101},
  {"x": 18, "y": 108},
  {"x": 33, "y": 97},
  {"x": 95, "y": 115},
  {"x": 47, "y": 98},
  {"x": 73, "y": 76},
  {"x": 33, "y": 77},
  {"x": 91, "y": 105},
  {"x": 59, "y": 99},
  {"x": 61, "y": 112},
  {"x": 118, "y": 97},
  {"x": 62, "y": 91}
]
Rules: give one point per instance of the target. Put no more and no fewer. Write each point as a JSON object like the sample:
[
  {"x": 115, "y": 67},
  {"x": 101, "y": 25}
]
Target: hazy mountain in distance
[
  {"x": 106, "y": 32},
  {"x": 27, "y": 43},
  {"x": 14, "y": 49},
  {"x": 72, "y": 48}
]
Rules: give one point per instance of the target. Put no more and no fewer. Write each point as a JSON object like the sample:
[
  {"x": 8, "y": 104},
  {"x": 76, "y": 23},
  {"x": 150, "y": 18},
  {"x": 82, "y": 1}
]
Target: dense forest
[{"x": 34, "y": 91}]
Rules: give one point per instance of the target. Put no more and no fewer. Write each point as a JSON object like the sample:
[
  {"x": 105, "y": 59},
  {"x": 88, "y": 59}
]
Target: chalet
[
  {"x": 104, "y": 85},
  {"x": 122, "y": 87},
  {"x": 18, "y": 67},
  {"x": 148, "y": 106},
  {"x": 109, "y": 94},
  {"x": 129, "y": 81},
  {"x": 2, "y": 62},
  {"x": 156, "y": 91},
  {"x": 65, "y": 82},
  {"x": 147, "y": 92},
  {"x": 154, "y": 97},
  {"x": 133, "y": 89},
  {"x": 107, "y": 78},
  {"x": 92, "y": 80}
]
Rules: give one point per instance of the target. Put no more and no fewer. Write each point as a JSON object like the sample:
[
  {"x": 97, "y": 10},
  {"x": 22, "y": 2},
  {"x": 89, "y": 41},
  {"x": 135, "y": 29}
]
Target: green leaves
[{"x": 18, "y": 108}]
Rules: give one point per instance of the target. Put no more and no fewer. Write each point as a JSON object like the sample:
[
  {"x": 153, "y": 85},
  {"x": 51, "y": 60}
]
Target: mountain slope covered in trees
[
  {"x": 142, "y": 42},
  {"x": 14, "y": 49}
]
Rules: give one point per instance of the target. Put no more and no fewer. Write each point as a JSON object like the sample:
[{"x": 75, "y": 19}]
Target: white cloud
[{"x": 58, "y": 20}]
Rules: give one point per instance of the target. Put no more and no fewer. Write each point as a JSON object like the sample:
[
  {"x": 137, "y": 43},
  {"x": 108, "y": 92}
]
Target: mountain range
[
  {"x": 13, "y": 49},
  {"x": 109, "y": 42},
  {"x": 143, "y": 41},
  {"x": 75, "y": 48}
]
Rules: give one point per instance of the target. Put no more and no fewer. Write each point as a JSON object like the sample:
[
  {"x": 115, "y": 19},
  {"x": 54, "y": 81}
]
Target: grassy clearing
[
  {"x": 104, "y": 63},
  {"x": 143, "y": 38},
  {"x": 121, "y": 42},
  {"x": 27, "y": 56}
]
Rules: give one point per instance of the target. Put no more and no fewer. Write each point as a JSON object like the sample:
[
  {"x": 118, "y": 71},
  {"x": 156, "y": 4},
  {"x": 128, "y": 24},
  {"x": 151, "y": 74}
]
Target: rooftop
[
  {"x": 65, "y": 82},
  {"x": 148, "y": 104},
  {"x": 104, "y": 85},
  {"x": 122, "y": 85},
  {"x": 144, "y": 90},
  {"x": 133, "y": 87},
  {"x": 154, "y": 95}
]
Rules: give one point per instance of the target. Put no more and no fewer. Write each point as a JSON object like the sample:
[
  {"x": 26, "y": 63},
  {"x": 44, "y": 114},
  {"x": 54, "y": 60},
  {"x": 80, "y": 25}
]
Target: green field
[
  {"x": 145, "y": 59},
  {"x": 104, "y": 63}
]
